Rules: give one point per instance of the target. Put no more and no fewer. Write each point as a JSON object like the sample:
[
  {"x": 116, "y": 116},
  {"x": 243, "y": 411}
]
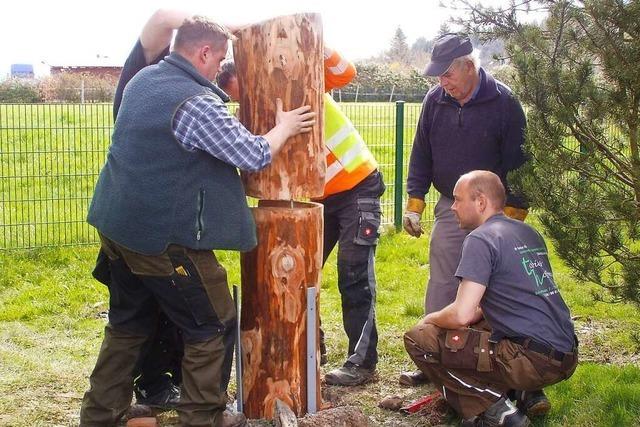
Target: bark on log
[
  {"x": 283, "y": 58},
  {"x": 275, "y": 278}
]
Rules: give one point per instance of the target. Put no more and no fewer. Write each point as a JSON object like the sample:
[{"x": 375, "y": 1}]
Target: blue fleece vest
[{"x": 152, "y": 191}]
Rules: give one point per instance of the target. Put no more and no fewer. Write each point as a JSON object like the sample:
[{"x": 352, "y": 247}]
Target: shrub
[
  {"x": 68, "y": 87},
  {"x": 19, "y": 91}
]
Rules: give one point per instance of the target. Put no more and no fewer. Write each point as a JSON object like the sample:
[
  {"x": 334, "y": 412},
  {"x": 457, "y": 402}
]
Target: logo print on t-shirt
[{"x": 534, "y": 266}]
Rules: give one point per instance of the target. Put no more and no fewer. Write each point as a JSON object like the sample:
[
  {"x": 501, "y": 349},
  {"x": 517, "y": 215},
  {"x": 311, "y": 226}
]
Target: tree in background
[
  {"x": 420, "y": 53},
  {"x": 399, "y": 50},
  {"x": 578, "y": 74}
]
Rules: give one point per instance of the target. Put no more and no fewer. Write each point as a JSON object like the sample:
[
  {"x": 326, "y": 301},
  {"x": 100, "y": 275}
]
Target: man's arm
[
  {"x": 464, "y": 311},
  {"x": 151, "y": 46},
  {"x": 205, "y": 123},
  {"x": 512, "y": 153},
  {"x": 158, "y": 31},
  {"x": 420, "y": 163},
  {"x": 338, "y": 71}
]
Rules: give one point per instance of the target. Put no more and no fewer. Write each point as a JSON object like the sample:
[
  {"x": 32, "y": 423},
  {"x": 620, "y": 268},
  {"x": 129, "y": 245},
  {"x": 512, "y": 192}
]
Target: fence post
[{"x": 397, "y": 203}]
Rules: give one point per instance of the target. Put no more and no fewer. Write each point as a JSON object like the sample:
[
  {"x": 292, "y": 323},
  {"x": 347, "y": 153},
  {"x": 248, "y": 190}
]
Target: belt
[{"x": 538, "y": 347}]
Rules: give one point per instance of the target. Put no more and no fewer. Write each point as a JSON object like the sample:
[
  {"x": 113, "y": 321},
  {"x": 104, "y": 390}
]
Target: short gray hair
[{"x": 473, "y": 57}]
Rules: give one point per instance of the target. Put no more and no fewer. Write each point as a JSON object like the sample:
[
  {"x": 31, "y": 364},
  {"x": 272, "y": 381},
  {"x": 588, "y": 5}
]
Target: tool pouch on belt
[
  {"x": 368, "y": 222},
  {"x": 454, "y": 354},
  {"x": 467, "y": 349}
]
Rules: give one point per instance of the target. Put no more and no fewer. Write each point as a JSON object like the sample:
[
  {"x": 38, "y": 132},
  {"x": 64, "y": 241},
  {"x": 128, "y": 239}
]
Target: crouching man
[{"x": 508, "y": 333}]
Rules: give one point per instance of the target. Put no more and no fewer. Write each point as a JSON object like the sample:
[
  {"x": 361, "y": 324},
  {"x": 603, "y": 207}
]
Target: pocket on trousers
[
  {"x": 462, "y": 349},
  {"x": 196, "y": 298},
  {"x": 214, "y": 279},
  {"x": 189, "y": 283},
  {"x": 368, "y": 222}
]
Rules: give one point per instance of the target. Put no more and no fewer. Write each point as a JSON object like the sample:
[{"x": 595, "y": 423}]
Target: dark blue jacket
[
  {"x": 486, "y": 133},
  {"x": 152, "y": 191}
]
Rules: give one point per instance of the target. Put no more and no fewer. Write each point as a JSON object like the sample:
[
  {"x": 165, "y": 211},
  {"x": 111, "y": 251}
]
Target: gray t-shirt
[{"x": 522, "y": 300}]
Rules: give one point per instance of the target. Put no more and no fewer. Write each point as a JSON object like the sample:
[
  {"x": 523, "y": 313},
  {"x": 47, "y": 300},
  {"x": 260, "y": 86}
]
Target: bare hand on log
[
  {"x": 298, "y": 121},
  {"x": 288, "y": 124}
]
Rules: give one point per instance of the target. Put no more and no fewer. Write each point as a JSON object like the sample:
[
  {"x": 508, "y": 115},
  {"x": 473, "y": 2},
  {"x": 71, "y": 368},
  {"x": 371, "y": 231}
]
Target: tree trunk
[
  {"x": 283, "y": 58},
  {"x": 275, "y": 278}
]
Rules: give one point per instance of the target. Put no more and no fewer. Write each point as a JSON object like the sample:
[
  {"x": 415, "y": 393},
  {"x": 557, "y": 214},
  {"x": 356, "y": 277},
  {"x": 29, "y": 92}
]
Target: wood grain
[
  {"x": 275, "y": 278},
  {"x": 283, "y": 58}
]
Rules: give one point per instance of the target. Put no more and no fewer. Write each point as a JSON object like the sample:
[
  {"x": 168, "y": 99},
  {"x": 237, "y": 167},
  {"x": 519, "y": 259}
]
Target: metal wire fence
[{"x": 51, "y": 154}]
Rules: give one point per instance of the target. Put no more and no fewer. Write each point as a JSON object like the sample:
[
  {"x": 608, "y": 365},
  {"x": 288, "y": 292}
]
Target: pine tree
[
  {"x": 577, "y": 72},
  {"x": 399, "y": 51}
]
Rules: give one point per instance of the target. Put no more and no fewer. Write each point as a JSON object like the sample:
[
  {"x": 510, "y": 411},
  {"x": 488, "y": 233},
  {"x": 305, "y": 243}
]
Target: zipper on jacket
[
  {"x": 460, "y": 117},
  {"x": 200, "y": 209}
]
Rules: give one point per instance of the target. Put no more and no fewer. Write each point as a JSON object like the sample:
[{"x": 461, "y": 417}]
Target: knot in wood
[{"x": 287, "y": 262}]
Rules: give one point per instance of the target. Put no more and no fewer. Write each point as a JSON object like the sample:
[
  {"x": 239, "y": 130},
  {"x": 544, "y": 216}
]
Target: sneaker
[
  {"x": 413, "y": 378},
  {"x": 350, "y": 376},
  {"x": 166, "y": 399},
  {"x": 503, "y": 413},
  {"x": 233, "y": 419},
  {"x": 533, "y": 403}
]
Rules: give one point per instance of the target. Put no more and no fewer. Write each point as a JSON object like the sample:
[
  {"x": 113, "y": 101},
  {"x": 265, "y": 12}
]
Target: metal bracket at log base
[
  {"x": 239, "y": 397},
  {"x": 311, "y": 350}
]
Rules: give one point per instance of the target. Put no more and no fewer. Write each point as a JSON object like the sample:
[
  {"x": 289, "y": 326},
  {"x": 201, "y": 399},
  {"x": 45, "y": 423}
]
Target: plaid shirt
[{"x": 204, "y": 123}]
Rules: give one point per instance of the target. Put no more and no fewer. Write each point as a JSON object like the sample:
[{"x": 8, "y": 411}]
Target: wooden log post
[
  {"x": 283, "y": 58},
  {"x": 275, "y": 278}
]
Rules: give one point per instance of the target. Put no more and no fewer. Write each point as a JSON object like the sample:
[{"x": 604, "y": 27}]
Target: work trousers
[
  {"x": 473, "y": 373},
  {"x": 445, "y": 249},
  {"x": 351, "y": 220},
  {"x": 190, "y": 287}
]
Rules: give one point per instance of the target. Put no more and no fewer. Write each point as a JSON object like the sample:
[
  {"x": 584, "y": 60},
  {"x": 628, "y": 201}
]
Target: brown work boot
[
  {"x": 412, "y": 378},
  {"x": 350, "y": 375},
  {"x": 233, "y": 419},
  {"x": 533, "y": 403}
]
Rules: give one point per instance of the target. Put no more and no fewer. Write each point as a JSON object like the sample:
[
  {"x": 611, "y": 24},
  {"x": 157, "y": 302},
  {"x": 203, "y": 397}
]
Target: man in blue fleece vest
[{"x": 167, "y": 196}]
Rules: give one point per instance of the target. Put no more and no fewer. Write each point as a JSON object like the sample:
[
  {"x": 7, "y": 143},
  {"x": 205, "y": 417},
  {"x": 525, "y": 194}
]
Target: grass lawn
[{"x": 52, "y": 315}]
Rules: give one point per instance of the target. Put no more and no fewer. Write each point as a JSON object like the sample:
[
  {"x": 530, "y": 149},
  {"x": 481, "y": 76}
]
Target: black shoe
[
  {"x": 350, "y": 375},
  {"x": 533, "y": 403},
  {"x": 503, "y": 413},
  {"x": 165, "y": 399}
]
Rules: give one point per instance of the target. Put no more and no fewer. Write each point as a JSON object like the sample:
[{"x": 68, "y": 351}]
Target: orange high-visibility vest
[{"x": 349, "y": 161}]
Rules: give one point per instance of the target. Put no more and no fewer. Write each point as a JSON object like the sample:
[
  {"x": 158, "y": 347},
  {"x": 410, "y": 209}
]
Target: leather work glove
[
  {"x": 412, "y": 215},
  {"x": 516, "y": 213}
]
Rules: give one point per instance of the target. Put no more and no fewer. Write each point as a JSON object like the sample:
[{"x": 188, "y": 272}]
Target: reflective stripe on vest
[{"x": 346, "y": 151}]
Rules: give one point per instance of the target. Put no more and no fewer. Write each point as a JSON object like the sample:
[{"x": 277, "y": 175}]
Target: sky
[{"x": 71, "y": 32}]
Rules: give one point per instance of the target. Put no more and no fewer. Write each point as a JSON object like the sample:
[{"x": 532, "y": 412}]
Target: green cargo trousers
[
  {"x": 190, "y": 287},
  {"x": 473, "y": 373}
]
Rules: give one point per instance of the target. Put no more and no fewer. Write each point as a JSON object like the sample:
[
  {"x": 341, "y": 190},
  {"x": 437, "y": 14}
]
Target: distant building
[
  {"x": 101, "y": 71},
  {"x": 22, "y": 71}
]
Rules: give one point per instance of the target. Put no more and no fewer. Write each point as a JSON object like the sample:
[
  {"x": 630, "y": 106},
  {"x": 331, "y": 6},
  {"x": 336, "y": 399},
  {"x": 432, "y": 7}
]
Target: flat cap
[{"x": 447, "y": 48}]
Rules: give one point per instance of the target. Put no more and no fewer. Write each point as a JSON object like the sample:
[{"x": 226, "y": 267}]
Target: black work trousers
[
  {"x": 190, "y": 287},
  {"x": 351, "y": 220}
]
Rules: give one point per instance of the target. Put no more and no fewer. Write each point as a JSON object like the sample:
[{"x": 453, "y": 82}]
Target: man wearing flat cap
[{"x": 468, "y": 121}]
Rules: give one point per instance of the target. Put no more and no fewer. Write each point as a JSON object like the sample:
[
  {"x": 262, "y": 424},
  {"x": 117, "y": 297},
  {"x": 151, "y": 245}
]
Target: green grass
[{"x": 51, "y": 329}]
